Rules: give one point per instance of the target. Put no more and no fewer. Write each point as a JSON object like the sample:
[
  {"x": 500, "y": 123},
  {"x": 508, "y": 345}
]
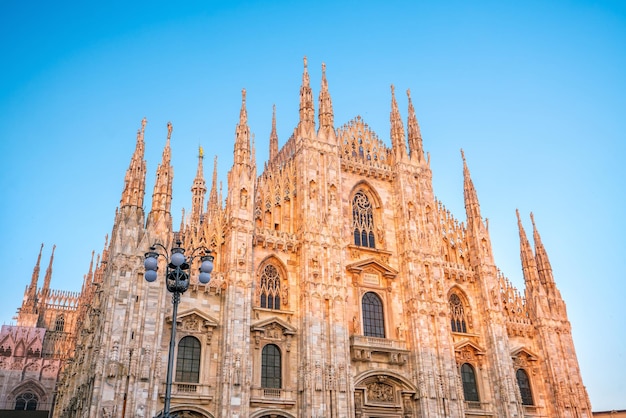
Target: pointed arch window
[
  {"x": 270, "y": 288},
  {"x": 59, "y": 324},
  {"x": 363, "y": 220},
  {"x": 470, "y": 388},
  {"x": 373, "y": 317},
  {"x": 524, "y": 387},
  {"x": 271, "y": 367},
  {"x": 457, "y": 314},
  {"x": 26, "y": 401},
  {"x": 188, "y": 360}
]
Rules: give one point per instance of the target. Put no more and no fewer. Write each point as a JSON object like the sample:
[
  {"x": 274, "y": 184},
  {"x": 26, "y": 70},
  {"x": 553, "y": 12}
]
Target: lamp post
[{"x": 177, "y": 283}]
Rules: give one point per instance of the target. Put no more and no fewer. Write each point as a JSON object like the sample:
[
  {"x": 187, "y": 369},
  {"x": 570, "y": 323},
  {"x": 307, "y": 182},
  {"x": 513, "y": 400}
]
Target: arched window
[
  {"x": 59, "y": 324},
  {"x": 26, "y": 401},
  {"x": 524, "y": 387},
  {"x": 270, "y": 288},
  {"x": 457, "y": 314},
  {"x": 470, "y": 389},
  {"x": 373, "y": 318},
  {"x": 188, "y": 360},
  {"x": 363, "y": 221},
  {"x": 271, "y": 368}
]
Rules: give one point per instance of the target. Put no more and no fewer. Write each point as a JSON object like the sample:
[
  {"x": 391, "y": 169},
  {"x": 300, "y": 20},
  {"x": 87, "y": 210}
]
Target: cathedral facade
[{"x": 342, "y": 288}]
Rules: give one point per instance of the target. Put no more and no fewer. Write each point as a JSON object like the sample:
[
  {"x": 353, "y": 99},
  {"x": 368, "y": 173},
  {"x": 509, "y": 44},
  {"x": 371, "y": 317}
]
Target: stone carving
[
  {"x": 318, "y": 375},
  {"x": 145, "y": 364},
  {"x": 191, "y": 324},
  {"x": 380, "y": 392}
]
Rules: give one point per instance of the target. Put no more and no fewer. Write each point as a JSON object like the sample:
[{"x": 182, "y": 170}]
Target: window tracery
[
  {"x": 457, "y": 314},
  {"x": 269, "y": 289},
  {"x": 59, "y": 324},
  {"x": 363, "y": 220},
  {"x": 26, "y": 401}
]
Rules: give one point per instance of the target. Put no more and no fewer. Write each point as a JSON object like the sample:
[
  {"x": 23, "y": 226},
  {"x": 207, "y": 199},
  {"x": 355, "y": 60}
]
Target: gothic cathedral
[{"x": 342, "y": 288}]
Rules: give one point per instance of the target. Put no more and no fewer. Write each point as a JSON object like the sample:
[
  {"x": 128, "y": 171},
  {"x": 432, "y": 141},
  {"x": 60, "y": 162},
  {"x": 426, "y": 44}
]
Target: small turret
[
  {"x": 135, "y": 180},
  {"x": 543, "y": 263},
  {"x": 214, "y": 204},
  {"x": 398, "y": 139},
  {"x": 306, "y": 125},
  {"x": 242, "y": 135},
  {"x": 326, "y": 117},
  {"x": 48, "y": 278},
  {"x": 544, "y": 272},
  {"x": 198, "y": 190},
  {"x": 273, "y": 136},
  {"x": 162, "y": 192},
  {"x": 45, "y": 290},
  {"x": 472, "y": 207},
  {"x": 529, "y": 265},
  {"x": 416, "y": 148}
]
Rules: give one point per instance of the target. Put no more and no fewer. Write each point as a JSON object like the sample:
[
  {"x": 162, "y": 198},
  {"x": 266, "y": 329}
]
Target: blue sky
[{"x": 534, "y": 93}]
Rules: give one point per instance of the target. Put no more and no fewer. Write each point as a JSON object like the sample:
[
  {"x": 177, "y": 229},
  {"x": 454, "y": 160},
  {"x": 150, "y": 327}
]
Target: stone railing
[{"x": 272, "y": 396}]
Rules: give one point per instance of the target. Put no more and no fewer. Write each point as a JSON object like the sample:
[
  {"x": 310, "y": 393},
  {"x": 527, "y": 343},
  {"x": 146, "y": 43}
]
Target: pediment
[
  {"x": 194, "y": 319},
  {"x": 465, "y": 345},
  {"x": 373, "y": 265},
  {"x": 523, "y": 351},
  {"x": 273, "y": 323}
]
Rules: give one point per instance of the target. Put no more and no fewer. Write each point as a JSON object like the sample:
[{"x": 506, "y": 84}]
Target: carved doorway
[
  {"x": 185, "y": 413},
  {"x": 384, "y": 396}
]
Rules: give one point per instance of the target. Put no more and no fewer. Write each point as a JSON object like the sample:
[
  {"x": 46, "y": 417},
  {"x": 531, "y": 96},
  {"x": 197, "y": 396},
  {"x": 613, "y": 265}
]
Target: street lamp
[{"x": 177, "y": 283}]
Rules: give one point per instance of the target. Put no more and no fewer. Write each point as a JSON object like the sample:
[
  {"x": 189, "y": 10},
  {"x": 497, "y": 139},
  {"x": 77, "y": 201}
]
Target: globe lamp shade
[
  {"x": 150, "y": 276},
  {"x": 177, "y": 259},
  {"x": 151, "y": 263},
  {"x": 204, "y": 277},
  {"x": 207, "y": 264}
]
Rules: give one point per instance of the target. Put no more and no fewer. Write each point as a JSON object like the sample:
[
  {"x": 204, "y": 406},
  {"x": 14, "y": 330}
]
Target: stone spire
[
  {"x": 307, "y": 113},
  {"x": 213, "y": 204},
  {"x": 529, "y": 265},
  {"x": 162, "y": 192},
  {"x": 472, "y": 207},
  {"x": 30, "y": 299},
  {"x": 326, "y": 116},
  {"x": 242, "y": 134},
  {"x": 416, "y": 149},
  {"x": 135, "y": 180},
  {"x": 45, "y": 290},
  {"x": 544, "y": 272},
  {"x": 543, "y": 263},
  {"x": 273, "y": 136},
  {"x": 397, "y": 129},
  {"x": 198, "y": 190}
]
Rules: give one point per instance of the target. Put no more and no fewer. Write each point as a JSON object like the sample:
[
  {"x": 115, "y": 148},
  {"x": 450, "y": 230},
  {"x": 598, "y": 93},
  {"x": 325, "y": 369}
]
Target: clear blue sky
[{"x": 533, "y": 91}]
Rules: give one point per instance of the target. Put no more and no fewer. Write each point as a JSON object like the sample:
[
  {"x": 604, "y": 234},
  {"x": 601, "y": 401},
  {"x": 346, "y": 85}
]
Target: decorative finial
[
  {"x": 243, "y": 95},
  {"x": 393, "y": 89},
  {"x": 462, "y": 155},
  {"x": 169, "y": 130},
  {"x": 532, "y": 219},
  {"x": 323, "y": 67},
  {"x": 408, "y": 93},
  {"x": 201, "y": 152},
  {"x": 144, "y": 121},
  {"x": 305, "y": 63}
]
